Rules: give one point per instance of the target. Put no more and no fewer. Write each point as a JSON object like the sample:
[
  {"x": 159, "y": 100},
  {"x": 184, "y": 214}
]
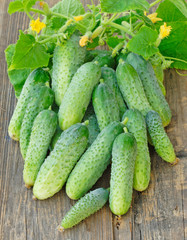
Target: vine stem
[
  {"x": 51, "y": 37},
  {"x": 177, "y": 59},
  {"x": 154, "y": 3},
  {"x": 120, "y": 27}
]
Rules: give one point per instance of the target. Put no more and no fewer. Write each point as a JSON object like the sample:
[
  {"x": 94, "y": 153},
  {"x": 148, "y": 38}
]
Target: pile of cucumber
[{"x": 93, "y": 111}]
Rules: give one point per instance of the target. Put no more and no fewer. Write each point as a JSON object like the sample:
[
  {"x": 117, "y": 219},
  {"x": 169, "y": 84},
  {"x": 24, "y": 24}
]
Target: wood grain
[{"x": 158, "y": 213}]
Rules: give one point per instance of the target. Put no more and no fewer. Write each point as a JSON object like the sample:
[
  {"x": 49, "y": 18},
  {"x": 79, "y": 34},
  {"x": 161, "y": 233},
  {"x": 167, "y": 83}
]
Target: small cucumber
[
  {"x": 94, "y": 161},
  {"x": 42, "y": 131},
  {"x": 55, "y": 138},
  {"x": 151, "y": 87},
  {"x": 58, "y": 165},
  {"x": 137, "y": 126},
  {"x": 67, "y": 58},
  {"x": 86, "y": 206},
  {"x": 105, "y": 105},
  {"x": 41, "y": 98},
  {"x": 105, "y": 60},
  {"x": 78, "y": 95},
  {"x": 122, "y": 171},
  {"x": 35, "y": 77},
  {"x": 159, "y": 138},
  {"x": 109, "y": 76},
  {"x": 159, "y": 73},
  {"x": 131, "y": 88}
]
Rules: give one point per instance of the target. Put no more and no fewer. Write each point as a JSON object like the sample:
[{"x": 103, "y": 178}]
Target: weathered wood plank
[{"x": 158, "y": 213}]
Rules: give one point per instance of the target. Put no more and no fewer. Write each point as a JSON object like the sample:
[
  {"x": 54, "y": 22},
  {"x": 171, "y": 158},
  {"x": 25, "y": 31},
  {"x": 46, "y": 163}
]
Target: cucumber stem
[
  {"x": 125, "y": 130},
  {"x": 86, "y": 123},
  {"x": 102, "y": 80},
  {"x": 125, "y": 120}
]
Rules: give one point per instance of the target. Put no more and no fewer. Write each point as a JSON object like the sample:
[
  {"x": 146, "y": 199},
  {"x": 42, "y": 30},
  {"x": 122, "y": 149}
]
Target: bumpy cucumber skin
[
  {"x": 160, "y": 140},
  {"x": 42, "y": 131},
  {"x": 137, "y": 126},
  {"x": 35, "y": 77},
  {"x": 41, "y": 98},
  {"x": 93, "y": 127},
  {"x": 78, "y": 95},
  {"x": 86, "y": 206},
  {"x": 131, "y": 88},
  {"x": 105, "y": 60},
  {"x": 151, "y": 87},
  {"x": 159, "y": 73},
  {"x": 67, "y": 58},
  {"x": 55, "y": 138},
  {"x": 122, "y": 171},
  {"x": 109, "y": 76},
  {"x": 105, "y": 105},
  {"x": 94, "y": 161},
  {"x": 58, "y": 165}
]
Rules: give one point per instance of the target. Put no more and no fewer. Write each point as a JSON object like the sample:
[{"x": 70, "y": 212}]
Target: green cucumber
[
  {"x": 131, "y": 88},
  {"x": 159, "y": 73},
  {"x": 42, "y": 131},
  {"x": 151, "y": 87},
  {"x": 78, "y": 95},
  {"x": 86, "y": 206},
  {"x": 137, "y": 126},
  {"x": 55, "y": 138},
  {"x": 109, "y": 76},
  {"x": 35, "y": 77},
  {"x": 122, "y": 171},
  {"x": 41, "y": 98},
  {"x": 105, "y": 105},
  {"x": 105, "y": 59},
  {"x": 159, "y": 138},
  {"x": 58, "y": 165},
  {"x": 94, "y": 161},
  {"x": 67, "y": 58}
]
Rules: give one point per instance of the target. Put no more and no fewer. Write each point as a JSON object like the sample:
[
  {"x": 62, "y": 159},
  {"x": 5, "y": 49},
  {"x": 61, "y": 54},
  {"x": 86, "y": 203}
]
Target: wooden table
[{"x": 158, "y": 213}]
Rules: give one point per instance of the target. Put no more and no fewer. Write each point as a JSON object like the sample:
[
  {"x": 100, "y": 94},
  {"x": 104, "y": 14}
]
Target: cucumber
[
  {"x": 131, "y": 88},
  {"x": 55, "y": 138},
  {"x": 35, "y": 77},
  {"x": 109, "y": 76},
  {"x": 58, "y": 165},
  {"x": 137, "y": 126},
  {"x": 151, "y": 87},
  {"x": 105, "y": 105},
  {"x": 159, "y": 73},
  {"x": 67, "y": 58},
  {"x": 105, "y": 59},
  {"x": 78, "y": 95},
  {"x": 41, "y": 98},
  {"x": 91, "y": 54},
  {"x": 122, "y": 171},
  {"x": 159, "y": 138},
  {"x": 93, "y": 127},
  {"x": 42, "y": 131},
  {"x": 87, "y": 205},
  {"x": 94, "y": 161}
]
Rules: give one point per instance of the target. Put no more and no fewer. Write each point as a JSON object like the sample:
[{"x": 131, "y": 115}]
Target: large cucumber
[
  {"x": 109, "y": 76},
  {"x": 131, "y": 88},
  {"x": 87, "y": 205},
  {"x": 35, "y": 77},
  {"x": 41, "y": 98},
  {"x": 122, "y": 171},
  {"x": 78, "y": 95},
  {"x": 105, "y": 105},
  {"x": 159, "y": 138},
  {"x": 42, "y": 131},
  {"x": 93, "y": 162},
  {"x": 137, "y": 126},
  {"x": 67, "y": 58},
  {"x": 58, "y": 165},
  {"x": 151, "y": 87}
]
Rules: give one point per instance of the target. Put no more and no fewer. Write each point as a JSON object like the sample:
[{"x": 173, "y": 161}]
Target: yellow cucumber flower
[
  {"x": 41, "y": 4},
  {"x": 153, "y": 17},
  {"x": 83, "y": 41},
  {"x": 78, "y": 18},
  {"x": 36, "y": 25},
  {"x": 164, "y": 31}
]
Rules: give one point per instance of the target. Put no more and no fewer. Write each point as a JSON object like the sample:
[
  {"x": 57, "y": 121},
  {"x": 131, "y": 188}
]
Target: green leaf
[
  {"x": 139, "y": 14},
  {"x": 111, "y": 6},
  {"x": 174, "y": 13},
  {"x": 20, "y": 5},
  {"x": 17, "y": 76},
  {"x": 143, "y": 43},
  {"x": 112, "y": 42},
  {"x": 29, "y": 53}
]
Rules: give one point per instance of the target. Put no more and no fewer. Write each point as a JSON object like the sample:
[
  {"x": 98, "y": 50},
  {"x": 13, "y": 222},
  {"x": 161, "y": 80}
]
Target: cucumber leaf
[
  {"x": 29, "y": 53},
  {"x": 111, "y": 6},
  {"x": 143, "y": 43},
  {"x": 112, "y": 42},
  {"x": 20, "y": 6},
  {"x": 174, "y": 13}
]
